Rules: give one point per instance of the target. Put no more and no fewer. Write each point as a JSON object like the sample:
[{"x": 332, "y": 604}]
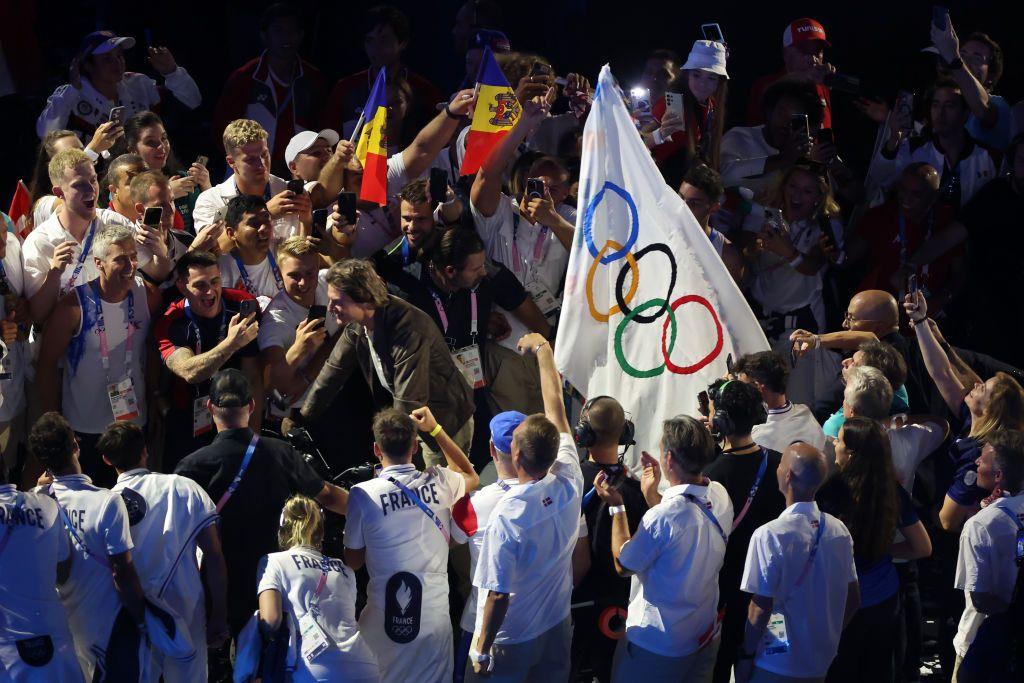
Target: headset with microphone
[{"x": 721, "y": 421}]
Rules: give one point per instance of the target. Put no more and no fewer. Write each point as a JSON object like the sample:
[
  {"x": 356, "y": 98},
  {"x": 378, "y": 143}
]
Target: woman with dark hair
[
  {"x": 865, "y": 495},
  {"x": 145, "y": 135}
]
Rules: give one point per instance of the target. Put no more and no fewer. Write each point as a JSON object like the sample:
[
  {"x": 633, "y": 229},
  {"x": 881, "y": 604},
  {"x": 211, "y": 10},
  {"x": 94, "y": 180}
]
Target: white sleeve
[
  {"x": 973, "y": 563},
  {"x": 206, "y": 207},
  {"x": 645, "y": 546},
  {"x": 567, "y": 463},
  {"x": 354, "y": 538},
  {"x": 183, "y": 87},
  {"x": 268, "y": 577},
  {"x": 737, "y": 164},
  {"x": 497, "y": 566},
  {"x": 113, "y": 526},
  {"x": 760, "y": 573},
  {"x": 453, "y": 481},
  {"x": 36, "y": 254},
  {"x": 57, "y": 110},
  {"x": 397, "y": 176},
  {"x": 490, "y": 228},
  {"x": 275, "y": 329},
  {"x": 885, "y": 171}
]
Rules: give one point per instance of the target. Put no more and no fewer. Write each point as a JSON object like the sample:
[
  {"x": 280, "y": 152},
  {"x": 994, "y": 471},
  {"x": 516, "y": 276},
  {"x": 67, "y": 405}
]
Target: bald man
[{"x": 802, "y": 579}]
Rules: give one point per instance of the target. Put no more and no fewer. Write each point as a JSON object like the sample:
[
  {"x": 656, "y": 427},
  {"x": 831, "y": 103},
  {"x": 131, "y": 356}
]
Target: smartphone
[
  {"x": 775, "y": 221},
  {"x": 904, "y": 110},
  {"x": 535, "y": 188},
  {"x": 117, "y": 115},
  {"x": 438, "y": 185},
  {"x": 540, "y": 69},
  {"x": 319, "y": 223},
  {"x": 912, "y": 286},
  {"x": 939, "y": 14},
  {"x": 247, "y": 307},
  {"x": 201, "y": 161},
  {"x": 316, "y": 311},
  {"x": 297, "y": 186},
  {"x": 799, "y": 124},
  {"x": 151, "y": 218},
  {"x": 640, "y": 99},
  {"x": 712, "y": 32},
  {"x": 729, "y": 364},
  {"x": 703, "y": 404},
  {"x": 842, "y": 83},
  {"x": 674, "y": 103},
  {"x": 825, "y": 136},
  {"x": 347, "y": 206}
]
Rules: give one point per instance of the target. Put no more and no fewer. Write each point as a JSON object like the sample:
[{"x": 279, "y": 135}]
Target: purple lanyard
[
  {"x": 411, "y": 495},
  {"x": 101, "y": 330},
  {"x": 444, "y": 315},
  {"x": 538, "y": 245}
]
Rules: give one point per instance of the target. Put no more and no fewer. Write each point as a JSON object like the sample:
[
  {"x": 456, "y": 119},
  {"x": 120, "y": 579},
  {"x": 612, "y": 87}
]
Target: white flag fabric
[{"x": 650, "y": 312}]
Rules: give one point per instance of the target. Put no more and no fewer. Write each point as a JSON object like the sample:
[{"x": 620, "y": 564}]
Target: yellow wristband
[{"x": 436, "y": 430}]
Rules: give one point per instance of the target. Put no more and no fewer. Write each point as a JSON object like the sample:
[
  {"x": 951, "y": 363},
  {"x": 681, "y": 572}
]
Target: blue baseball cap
[
  {"x": 496, "y": 40},
  {"x": 502, "y": 426}
]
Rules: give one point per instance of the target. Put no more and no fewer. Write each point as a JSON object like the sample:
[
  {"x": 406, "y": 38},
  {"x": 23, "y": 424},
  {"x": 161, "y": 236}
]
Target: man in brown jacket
[{"x": 399, "y": 350}]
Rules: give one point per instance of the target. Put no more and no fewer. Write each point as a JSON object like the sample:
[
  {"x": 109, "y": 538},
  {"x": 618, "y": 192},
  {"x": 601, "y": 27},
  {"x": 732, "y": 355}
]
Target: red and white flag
[{"x": 21, "y": 210}]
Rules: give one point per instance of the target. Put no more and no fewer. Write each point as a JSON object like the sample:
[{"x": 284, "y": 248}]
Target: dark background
[{"x": 879, "y": 42}]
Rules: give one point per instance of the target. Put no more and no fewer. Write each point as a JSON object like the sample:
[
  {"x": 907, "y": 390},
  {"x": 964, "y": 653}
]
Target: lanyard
[
  {"x": 71, "y": 530},
  {"x": 538, "y": 245},
  {"x": 5, "y": 285},
  {"x": 405, "y": 251},
  {"x": 10, "y": 525},
  {"x": 101, "y": 330},
  {"x": 241, "y": 472},
  {"x": 247, "y": 281},
  {"x": 1019, "y": 557},
  {"x": 814, "y": 551},
  {"x": 199, "y": 334},
  {"x": 753, "y": 489},
  {"x": 86, "y": 249},
  {"x": 503, "y": 486},
  {"x": 444, "y": 315},
  {"x": 707, "y": 513},
  {"x": 422, "y": 506}
]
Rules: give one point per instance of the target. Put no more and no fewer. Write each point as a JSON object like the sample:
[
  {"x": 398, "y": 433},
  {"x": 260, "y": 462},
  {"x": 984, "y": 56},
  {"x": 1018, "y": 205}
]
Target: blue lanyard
[
  {"x": 241, "y": 473},
  {"x": 814, "y": 550},
  {"x": 71, "y": 529},
  {"x": 86, "y": 249},
  {"x": 708, "y": 514},
  {"x": 405, "y": 251},
  {"x": 247, "y": 281},
  {"x": 753, "y": 489},
  {"x": 422, "y": 506},
  {"x": 1020, "y": 531},
  {"x": 101, "y": 331},
  {"x": 195, "y": 326}
]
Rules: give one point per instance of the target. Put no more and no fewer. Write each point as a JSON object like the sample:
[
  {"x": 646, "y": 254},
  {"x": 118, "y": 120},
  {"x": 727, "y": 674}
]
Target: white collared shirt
[
  {"x": 776, "y": 558},
  {"x": 219, "y": 195},
  {"x": 986, "y": 563},
  {"x": 12, "y": 391},
  {"x": 910, "y": 445},
  {"x": 166, "y": 514},
  {"x": 527, "y": 549},
  {"x": 676, "y": 554},
  {"x": 792, "y": 422}
]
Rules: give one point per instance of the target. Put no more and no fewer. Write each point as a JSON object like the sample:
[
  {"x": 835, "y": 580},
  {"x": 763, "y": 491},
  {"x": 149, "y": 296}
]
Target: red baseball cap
[{"x": 802, "y": 31}]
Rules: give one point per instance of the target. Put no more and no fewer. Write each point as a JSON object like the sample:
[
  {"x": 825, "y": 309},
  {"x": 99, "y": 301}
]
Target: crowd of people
[{"x": 260, "y": 429}]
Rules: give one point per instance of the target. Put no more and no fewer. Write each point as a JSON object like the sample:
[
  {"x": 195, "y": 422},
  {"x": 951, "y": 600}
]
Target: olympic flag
[{"x": 650, "y": 313}]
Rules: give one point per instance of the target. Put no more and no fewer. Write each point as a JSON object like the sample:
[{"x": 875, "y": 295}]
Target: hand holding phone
[
  {"x": 347, "y": 206},
  {"x": 248, "y": 307},
  {"x": 800, "y": 125},
  {"x": 201, "y": 161},
  {"x": 319, "y": 227},
  {"x": 297, "y": 186},
  {"x": 151, "y": 218},
  {"x": 438, "y": 186},
  {"x": 117, "y": 115},
  {"x": 535, "y": 188},
  {"x": 316, "y": 312}
]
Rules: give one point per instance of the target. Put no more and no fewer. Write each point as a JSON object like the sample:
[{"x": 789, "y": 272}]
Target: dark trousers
[
  {"x": 592, "y": 650},
  {"x": 121, "y": 662},
  {"x": 908, "y": 645},
  {"x": 868, "y": 644},
  {"x": 732, "y": 634}
]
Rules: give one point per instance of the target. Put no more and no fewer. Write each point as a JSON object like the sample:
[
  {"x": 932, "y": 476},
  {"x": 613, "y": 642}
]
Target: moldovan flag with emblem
[
  {"x": 372, "y": 148},
  {"x": 650, "y": 313},
  {"x": 496, "y": 111}
]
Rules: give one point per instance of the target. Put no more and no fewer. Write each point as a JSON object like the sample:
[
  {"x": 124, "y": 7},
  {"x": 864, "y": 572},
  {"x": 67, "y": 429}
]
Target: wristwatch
[
  {"x": 615, "y": 509},
  {"x": 478, "y": 658}
]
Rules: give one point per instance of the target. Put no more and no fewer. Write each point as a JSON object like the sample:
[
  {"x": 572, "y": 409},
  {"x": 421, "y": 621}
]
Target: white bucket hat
[{"x": 707, "y": 55}]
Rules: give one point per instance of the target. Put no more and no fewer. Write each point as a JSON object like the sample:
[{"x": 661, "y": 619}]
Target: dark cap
[
  {"x": 229, "y": 389},
  {"x": 101, "y": 42},
  {"x": 496, "y": 40}
]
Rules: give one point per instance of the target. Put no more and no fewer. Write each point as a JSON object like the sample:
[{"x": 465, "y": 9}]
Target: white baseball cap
[{"x": 300, "y": 142}]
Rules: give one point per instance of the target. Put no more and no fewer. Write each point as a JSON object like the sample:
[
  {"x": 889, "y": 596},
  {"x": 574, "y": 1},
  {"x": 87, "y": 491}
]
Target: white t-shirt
[
  {"x": 986, "y": 563},
  {"x": 407, "y": 559},
  {"x": 219, "y": 195},
  {"x": 295, "y": 574},
  {"x": 31, "y": 527},
  {"x": 100, "y": 522},
  {"x": 527, "y": 549},
  {"x": 44, "y": 239},
  {"x": 813, "y": 612},
  {"x": 44, "y": 208},
  {"x": 166, "y": 513},
  {"x": 17, "y": 361},
  {"x": 261, "y": 275},
  {"x": 84, "y": 399},
  {"x": 910, "y": 445},
  {"x": 792, "y": 422},
  {"x": 676, "y": 554}
]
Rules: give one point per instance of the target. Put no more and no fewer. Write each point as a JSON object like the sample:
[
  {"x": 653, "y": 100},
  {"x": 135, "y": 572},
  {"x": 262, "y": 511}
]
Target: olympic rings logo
[{"x": 665, "y": 306}]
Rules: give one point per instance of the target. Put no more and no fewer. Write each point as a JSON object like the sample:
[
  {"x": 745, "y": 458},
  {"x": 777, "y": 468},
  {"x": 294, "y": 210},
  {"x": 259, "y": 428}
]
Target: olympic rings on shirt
[
  {"x": 588, "y": 219},
  {"x": 624, "y": 301},
  {"x": 596, "y": 314}
]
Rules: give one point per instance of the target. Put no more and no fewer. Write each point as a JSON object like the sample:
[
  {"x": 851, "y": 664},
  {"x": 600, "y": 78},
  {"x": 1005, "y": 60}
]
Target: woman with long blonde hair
[{"x": 317, "y": 594}]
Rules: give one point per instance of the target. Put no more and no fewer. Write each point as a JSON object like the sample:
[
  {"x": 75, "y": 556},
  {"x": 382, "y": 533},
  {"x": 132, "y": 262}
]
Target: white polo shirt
[
  {"x": 527, "y": 549},
  {"x": 100, "y": 522},
  {"x": 675, "y": 555},
  {"x": 791, "y": 422},
  {"x": 219, "y": 195},
  {"x": 17, "y": 362},
  {"x": 44, "y": 239},
  {"x": 911, "y": 444},
  {"x": 813, "y": 612},
  {"x": 986, "y": 563},
  {"x": 294, "y": 574}
]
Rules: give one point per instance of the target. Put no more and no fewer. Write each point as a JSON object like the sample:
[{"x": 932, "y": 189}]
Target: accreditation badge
[
  {"x": 467, "y": 359},
  {"x": 123, "y": 403},
  {"x": 542, "y": 296},
  {"x": 776, "y": 637},
  {"x": 202, "y": 421},
  {"x": 314, "y": 639}
]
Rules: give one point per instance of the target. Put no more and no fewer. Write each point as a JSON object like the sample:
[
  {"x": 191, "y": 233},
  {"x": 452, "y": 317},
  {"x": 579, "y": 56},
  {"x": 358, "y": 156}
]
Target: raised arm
[
  {"x": 332, "y": 176},
  {"x": 486, "y": 191},
  {"x": 436, "y": 134},
  {"x": 197, "y": 368},
  {"x": 453, "y": 455},
  {"x": 550, "y": 380},
  {"x": 935, "y": 359}
]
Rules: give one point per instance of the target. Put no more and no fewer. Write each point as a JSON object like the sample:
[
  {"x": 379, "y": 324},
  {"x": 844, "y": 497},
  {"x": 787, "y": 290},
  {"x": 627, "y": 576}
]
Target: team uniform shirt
[
  {"x": 295, "y": 574},
  {"x": 531, "y": 252},
  {"x": 911, "y": 444},
  {"x": 791, "y": 422},
  {"x": 166, "y": 514},
  {"x": 987, "y": 562},
  {"x": 44, "y": 239},
  {"x": 406, "y": 620},
  {"x": 998, "y": 136},
  {"x": 85, "y": 403},
  {"x": 32, "y": 542},
  {"x": 44, "y": 208},
  {"x": 964, "y": 452},
  {"x": 975, "y": 168},
  {"x": 84, "y": 109},
  {"x": 527, "y": 550},
  {"x": 219, "y": 195},
  {"x": 744, "y": 153},
  {"x": 813, "y": 610},
  {"x": 263, "y": 277},
  {"x": 15, "y": 365},
  {"x": 97, "y": 523},
  {"x": 675, "y": 556}
]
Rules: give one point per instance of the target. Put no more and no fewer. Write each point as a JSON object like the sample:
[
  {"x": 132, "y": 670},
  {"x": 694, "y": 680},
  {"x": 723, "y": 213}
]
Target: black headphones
[
  {"x": 585, "y": 437},
  {"x": 721, "y": 422}
]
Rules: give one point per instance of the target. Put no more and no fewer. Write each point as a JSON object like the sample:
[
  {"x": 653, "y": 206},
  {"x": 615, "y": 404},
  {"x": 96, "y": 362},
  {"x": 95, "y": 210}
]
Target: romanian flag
[
  {"x": 496, "y": 111},
  {"x": 21, "y": 210},
  {"x": 372, "y": 148}
]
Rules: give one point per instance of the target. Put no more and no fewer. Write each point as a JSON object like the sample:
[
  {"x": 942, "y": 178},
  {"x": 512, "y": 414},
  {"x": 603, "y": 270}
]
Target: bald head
[
  {"x": 873, "y": 310},
  {"x": 802, "y": 470},
  {"x": 925, "y": 173},
  {"x": 606, "y": 418}
]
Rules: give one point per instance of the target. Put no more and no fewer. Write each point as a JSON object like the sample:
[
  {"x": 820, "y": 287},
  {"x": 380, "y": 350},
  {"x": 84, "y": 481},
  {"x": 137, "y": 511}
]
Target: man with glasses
[{"x": 702, "y": 190}]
